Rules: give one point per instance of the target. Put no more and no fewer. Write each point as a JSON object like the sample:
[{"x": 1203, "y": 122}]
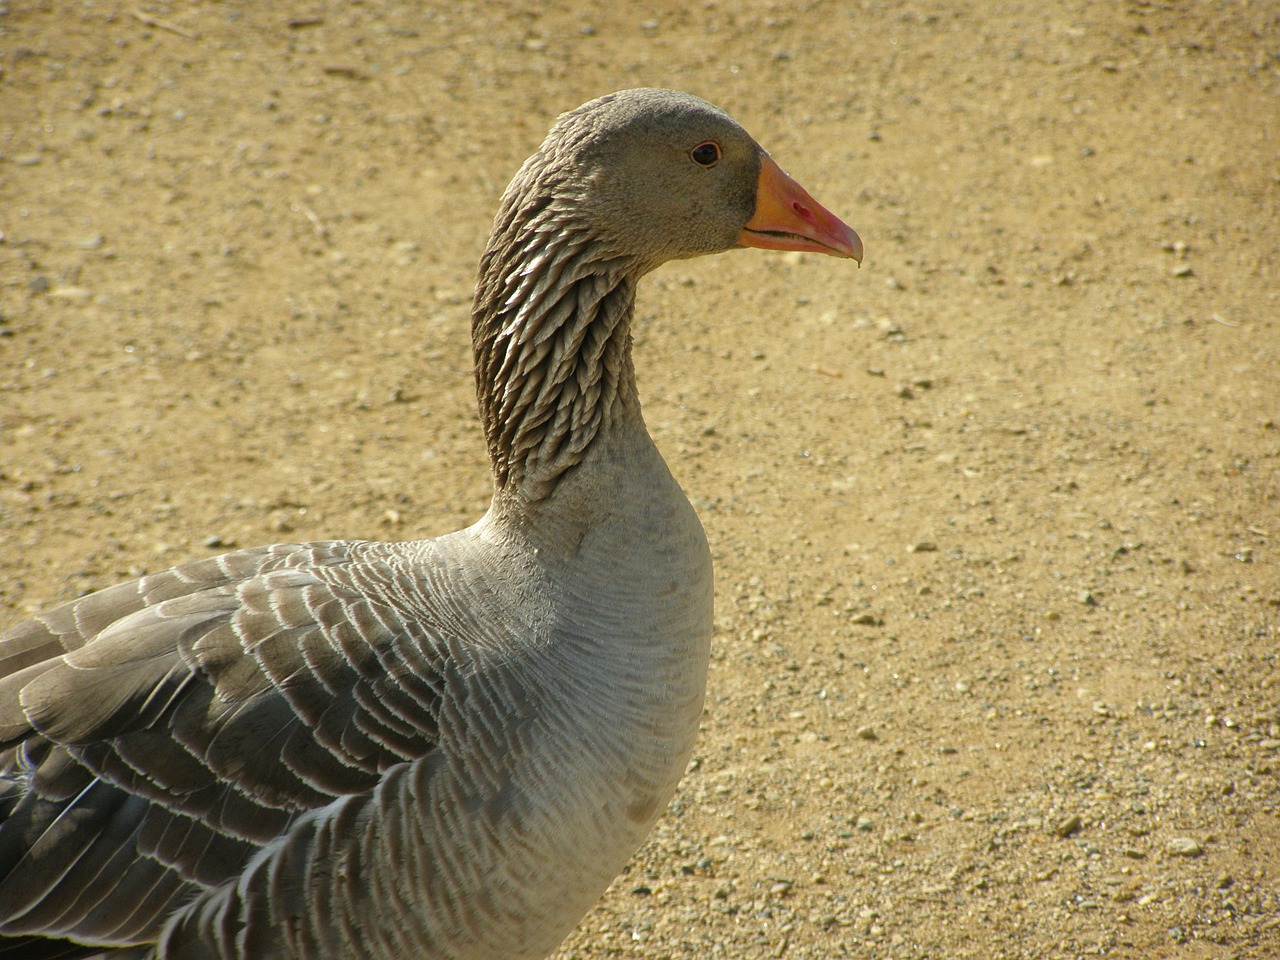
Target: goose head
[{"x": 659, "y": 175}]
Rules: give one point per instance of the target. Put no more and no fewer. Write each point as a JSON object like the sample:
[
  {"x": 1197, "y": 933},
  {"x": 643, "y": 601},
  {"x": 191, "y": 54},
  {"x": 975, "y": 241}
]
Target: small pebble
[
  {"x": 867, "y": 733},
  {"x": 1183, "y": 847},
  {"x": 1069, "y": 826},
  {"x": 72, "y": 294}
]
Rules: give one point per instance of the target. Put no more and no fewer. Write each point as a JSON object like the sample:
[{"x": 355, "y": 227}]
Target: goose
[{"x": 444, "y": 748}]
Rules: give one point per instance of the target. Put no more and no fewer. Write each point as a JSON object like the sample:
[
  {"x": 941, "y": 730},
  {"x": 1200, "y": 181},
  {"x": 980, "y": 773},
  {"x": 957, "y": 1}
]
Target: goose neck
[{"x": 551, "y": 330}]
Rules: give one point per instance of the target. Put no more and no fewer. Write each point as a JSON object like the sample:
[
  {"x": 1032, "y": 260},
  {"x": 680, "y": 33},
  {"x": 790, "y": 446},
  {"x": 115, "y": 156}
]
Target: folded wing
[{"x": 157, "y": 734}]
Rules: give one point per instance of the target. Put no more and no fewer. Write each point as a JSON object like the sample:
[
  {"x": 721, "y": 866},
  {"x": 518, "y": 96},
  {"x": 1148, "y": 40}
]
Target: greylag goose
[{"x": 434, "y": 749}]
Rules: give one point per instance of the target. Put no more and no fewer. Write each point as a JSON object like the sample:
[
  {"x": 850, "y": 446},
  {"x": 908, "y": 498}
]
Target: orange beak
[{"x": 787, "y": 218}]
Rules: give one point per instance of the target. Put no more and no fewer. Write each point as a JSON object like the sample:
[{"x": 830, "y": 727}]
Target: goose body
[{"x": 431, "y": 749}]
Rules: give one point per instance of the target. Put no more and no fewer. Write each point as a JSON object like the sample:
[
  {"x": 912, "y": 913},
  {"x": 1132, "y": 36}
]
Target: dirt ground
[{"x": 995, "y": 517}]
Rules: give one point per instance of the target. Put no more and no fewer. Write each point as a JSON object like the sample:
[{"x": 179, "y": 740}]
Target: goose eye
[{"x": 706, "y": 154}]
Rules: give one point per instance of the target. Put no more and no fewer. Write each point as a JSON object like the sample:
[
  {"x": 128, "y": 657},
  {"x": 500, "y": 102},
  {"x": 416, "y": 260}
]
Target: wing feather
[{"x": 158, "y": 733}]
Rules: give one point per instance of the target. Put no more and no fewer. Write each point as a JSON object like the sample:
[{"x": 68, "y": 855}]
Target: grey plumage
[{"x": 431, "y": 749}]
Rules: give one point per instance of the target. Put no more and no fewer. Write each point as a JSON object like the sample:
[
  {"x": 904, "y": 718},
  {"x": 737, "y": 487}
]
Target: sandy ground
[{"x": 995, "y": 517}]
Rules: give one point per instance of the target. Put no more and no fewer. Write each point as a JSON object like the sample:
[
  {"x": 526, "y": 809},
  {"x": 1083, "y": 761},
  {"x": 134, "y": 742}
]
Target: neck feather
[{"x": 552, "y": 340}]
